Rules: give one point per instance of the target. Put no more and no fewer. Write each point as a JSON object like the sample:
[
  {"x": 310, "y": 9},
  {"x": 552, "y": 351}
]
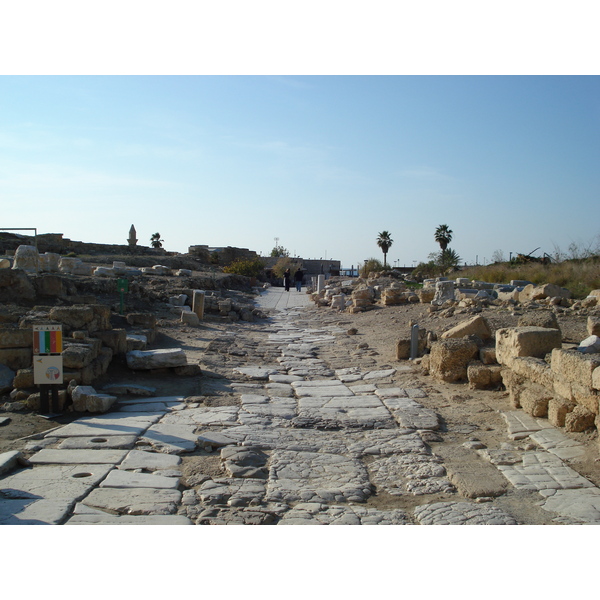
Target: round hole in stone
[
  {"x": 79, "y": 475},
  {"x": 98, "y": 440}
]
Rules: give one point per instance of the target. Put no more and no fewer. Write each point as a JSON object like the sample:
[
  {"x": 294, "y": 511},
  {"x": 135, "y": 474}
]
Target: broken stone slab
[
  {"x": 12, "y": 460},
  {"x": 149, "y": 461},
  {"x": 314, "y": 513},
  {"x": 70, "y": 482},
  {"x": 172, "y": 439},
  {"x": 260, "y": 373},
  {"x": 98, "y": 442},
  {"x": 579, "y": 506},
  {"x": 156, "y": 359},
  {"x": 132, "y": 389},
  {"x": 142, "y": 506},
  {"x": 102, "y": 428},
  {"x": 232, "y": 492},
  {"x": 34, "y": 512},
  {"x": 118, "y": 478},
  {"x": 50, "y": 456},
  {"x": 462, "y": 513},
  {"x": 204, "y": 416},
  {"x": 136, "y": 342}
]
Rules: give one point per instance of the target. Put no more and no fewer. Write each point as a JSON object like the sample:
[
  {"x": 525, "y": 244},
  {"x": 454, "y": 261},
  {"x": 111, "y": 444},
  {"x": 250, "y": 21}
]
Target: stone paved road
[{"x": 305, "y": 435}]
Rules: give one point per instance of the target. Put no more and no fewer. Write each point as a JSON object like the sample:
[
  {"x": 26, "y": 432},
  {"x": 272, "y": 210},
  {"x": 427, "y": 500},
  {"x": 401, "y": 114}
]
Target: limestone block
[
  {"x": 156, "y": 359},
  {"x": 225, "y": 306},
  {"x": 27, "y": 258},
  {"x": 104, "y": 272},
  {"x": 72, "y": 317},
  {"x": 16, "y": 358},
  {"x": 394, "y": 297},
  {"x": 585, "y": 396},
  {"x": 579, "y": 419},
  {"x": 596, "y": 378},
  {"x": 534, "y": 400},
  {"x": 183, "y": 273},
  {"x": 426, "y": 295},
  {"x": 49, "y": 262},
  {"x": 119, "y": 267},
  {"x": 97, "y": 367},
  {"x": 66, "y": 264},
  {"x": 449, "y": 359},
  {"x": 535, "y": 370},
  {"x": 574, "y": 366},
  {"x": 147, "y": 320},
  {"x": 482, "y": 376},
  {"x": 403, "y": 345},
  {"x": 136, "y": 342},
  {"x": 512, "y": 342},
  {"x": 593, "y": 325},
  {"x": 79, "y": 396},
  {"x": 190, "y": 318},
  {"x": 13, "y": 337},
  {"x": 487, "y": 356},
  {"x": 161, "y": 270},
  {"x": 364, "y": 293},
  {"x": 23, "y": 379},
  {"x": 82, "y": 268},
  {"x": 115, "y": 339},
  {"x": 360, "y": 303},
  {"x": 539, "y": 318},
  {"x": 478, "y": 326},
  {"x": 178, "y": 300},
  {"x": 550, "y": 290},
  {"x": 558, "y": 408},
  {"x": 78, "y": 356},
  {"x": 444, "y": 290},
  {"x": 99, "y": 403}
]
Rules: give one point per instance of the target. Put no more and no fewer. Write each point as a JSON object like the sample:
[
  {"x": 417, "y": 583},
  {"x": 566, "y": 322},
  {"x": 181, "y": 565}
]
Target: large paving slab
[
  {"x": 50, "y": 456},
  {"x": 98, "y": 442},
  {"x": 70, "y": 482},
  {"x": 574, "y": 506},
  {"x": 119, "y": 478},
  {"x": 172, "y": 439},
  {"x": 86, "y": 515},
  {"x": 34, "y": 512},
  {"x": 134, "y": 501},
  {"x": 149, "y": 461}
]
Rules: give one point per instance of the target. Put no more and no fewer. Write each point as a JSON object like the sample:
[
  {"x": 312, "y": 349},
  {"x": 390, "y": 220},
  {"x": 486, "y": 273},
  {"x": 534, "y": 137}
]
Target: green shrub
[
  {"x": 246, "y": 267},
  {"x": 372, "y": 265}
]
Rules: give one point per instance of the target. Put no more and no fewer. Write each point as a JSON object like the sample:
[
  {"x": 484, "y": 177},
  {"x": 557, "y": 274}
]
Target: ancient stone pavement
[{"x": 303, "y": 432}]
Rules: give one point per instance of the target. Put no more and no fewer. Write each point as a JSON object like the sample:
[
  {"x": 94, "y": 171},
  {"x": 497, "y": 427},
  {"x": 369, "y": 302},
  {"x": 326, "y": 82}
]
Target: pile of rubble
[
  {"x": 93, "y": 335},
  {"x": 544, "y": 375}
]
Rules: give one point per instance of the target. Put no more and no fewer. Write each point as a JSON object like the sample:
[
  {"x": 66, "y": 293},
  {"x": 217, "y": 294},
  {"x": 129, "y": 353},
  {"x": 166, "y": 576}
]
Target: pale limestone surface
[
  {"x": 49, "y": 456},
  {"x": 34, "y": 512},
  {"x": 461, "y": 513}
]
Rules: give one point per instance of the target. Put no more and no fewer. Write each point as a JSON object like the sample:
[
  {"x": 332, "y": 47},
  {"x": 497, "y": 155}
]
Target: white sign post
[{"x": 47, "y": 364}]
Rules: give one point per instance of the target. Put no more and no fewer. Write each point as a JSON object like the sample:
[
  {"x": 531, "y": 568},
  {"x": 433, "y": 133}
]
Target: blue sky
[{"x": 324, "y": 163}]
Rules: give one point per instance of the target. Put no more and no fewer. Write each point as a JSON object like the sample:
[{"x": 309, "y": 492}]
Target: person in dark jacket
[
  {"x": 286, "y": 280},
  {"x": 298, "y": 277}
]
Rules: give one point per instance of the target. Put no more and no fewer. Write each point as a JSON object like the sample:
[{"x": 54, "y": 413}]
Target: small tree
[
  {"x": 372, "y": 265},
  {"x": 384, "y": 241},
  {"x": 155, "y": 240},
  {"x": 285, "y": 262},
  {"x": 279, "y": 251}
]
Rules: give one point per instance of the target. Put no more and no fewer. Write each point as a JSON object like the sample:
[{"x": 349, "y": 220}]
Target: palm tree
[
  {"x": 384, "y": 241},
  {"x": 443, "y": 236},
  {"x": 156, "y": 241}
]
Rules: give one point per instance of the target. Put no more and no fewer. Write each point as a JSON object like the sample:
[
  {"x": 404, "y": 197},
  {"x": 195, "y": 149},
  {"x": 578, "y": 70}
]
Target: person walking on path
[
  {"x": 298, "y": 277},
  {"x": 286, "y": 280}
]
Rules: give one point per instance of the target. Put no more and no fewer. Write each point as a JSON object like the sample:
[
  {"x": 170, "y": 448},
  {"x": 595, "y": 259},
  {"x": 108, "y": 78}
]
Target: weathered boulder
[
  {"x": 190, "y": 318},
  {"x": 558, "y": 408},
  {"x": 403, "y": 345},
  {"x": 86, "y": 399},
  {"x": 67, "y": 263},
  {"x": 16, "y": 358},
  {"x": 147, "y": 320},
  {"x": 156, "y": 359},
  {"x": 579, "y": 419},
  {"x": 478, "y": 326},
  {"x": 115, "y": 339},
  {"x": 449, "y": 359},
  {"x": 23, "y": 379},
  {"x": 27, "y": 258},
  {"x": 444, "y": 290},
  {"x": 590, "y": 345},
  {"x": 49, "y": 262},
  {"x": 72, "y": 317},
  {"x": 512, "y": 342}
]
